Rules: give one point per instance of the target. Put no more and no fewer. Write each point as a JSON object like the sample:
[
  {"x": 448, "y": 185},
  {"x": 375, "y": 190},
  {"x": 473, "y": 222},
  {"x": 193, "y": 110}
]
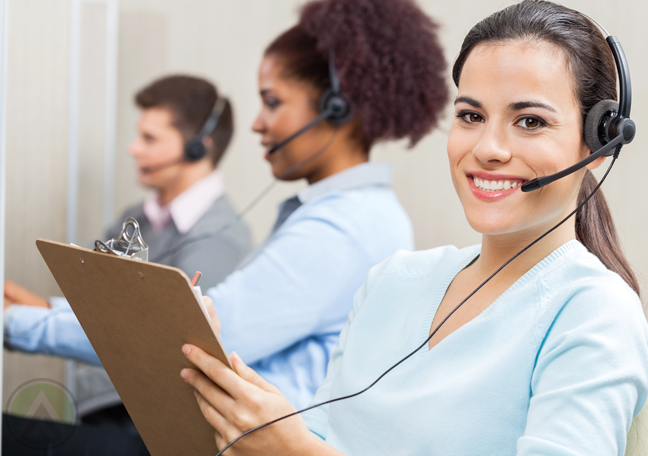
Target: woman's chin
[{"x": 491, "y": 225}]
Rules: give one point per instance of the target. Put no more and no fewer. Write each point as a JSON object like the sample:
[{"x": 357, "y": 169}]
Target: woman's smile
[{"x": 491, "y": 187}]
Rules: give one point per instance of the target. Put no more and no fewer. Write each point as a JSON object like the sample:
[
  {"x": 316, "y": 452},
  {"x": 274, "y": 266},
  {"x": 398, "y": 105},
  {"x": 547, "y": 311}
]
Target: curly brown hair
[{"x": 388, "y": 58}]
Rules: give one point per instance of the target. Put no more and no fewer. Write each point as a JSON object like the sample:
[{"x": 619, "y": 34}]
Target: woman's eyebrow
[
  {"x": 529, "y": 104},
  {"x": 468, "y": 100}
]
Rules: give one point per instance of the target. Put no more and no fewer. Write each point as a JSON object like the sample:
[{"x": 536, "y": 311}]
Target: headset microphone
[
  {"x": 332, "y": 105},
  {"x": 152, "y": 169},
  {"x": 540, "y": 182},
  {"x": 607, "y": 125}
]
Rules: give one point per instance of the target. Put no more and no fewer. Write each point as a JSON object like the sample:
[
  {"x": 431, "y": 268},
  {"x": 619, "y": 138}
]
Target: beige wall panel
[
  {"x": 92, "y": 86},
  {"x": 36, "y": 157},
  {"x": 142, "y": 58}
]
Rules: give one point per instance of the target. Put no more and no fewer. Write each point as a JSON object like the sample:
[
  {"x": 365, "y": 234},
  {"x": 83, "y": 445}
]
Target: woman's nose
[
  {"x": 493, "y": 146},
  {"x": 258, "y": 126}
]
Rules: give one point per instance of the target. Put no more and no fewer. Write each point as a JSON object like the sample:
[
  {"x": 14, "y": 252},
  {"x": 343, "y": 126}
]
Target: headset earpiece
[
  {"x": 338, "y": 109},
  {"x": 332, "y": 105},
  {"x": 195, "y": 149},
  {"x": 596, "y": 129}
]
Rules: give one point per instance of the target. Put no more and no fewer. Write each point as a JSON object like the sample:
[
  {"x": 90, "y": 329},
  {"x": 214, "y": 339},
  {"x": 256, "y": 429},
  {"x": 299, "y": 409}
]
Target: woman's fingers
[
  {"x": 218, "y": 372},
  {"x": 249, "y": 374},
  {"x": 213, "y": 416},
  {"x": 220, "y": 400}
]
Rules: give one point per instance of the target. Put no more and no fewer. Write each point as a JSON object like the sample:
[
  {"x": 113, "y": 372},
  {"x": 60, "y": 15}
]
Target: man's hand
[{"x": 15, "y": 294}]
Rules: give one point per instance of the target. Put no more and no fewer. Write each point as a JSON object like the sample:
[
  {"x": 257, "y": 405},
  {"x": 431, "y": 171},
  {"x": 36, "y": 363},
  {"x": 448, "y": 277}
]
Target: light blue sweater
[{"x": 557, "y": 365}]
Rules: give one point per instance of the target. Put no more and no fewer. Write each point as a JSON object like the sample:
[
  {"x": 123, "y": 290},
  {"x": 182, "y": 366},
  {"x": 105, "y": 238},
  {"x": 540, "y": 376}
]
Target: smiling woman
[{"x": 550, "y": 356}]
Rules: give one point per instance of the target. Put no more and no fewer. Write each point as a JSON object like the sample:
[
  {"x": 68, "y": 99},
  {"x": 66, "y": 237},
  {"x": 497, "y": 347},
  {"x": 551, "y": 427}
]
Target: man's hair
[{"x": 190, "y": 101}]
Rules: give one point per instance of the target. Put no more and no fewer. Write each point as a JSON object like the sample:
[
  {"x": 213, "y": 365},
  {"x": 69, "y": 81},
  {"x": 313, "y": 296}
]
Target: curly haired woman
[{"x": 282, "y": 311}]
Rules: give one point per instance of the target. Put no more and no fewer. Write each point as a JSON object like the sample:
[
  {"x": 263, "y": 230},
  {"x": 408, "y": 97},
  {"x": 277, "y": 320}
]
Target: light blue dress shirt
[
  {"x": 282, "y": 311},
  {"x": 556, "y": 366}
]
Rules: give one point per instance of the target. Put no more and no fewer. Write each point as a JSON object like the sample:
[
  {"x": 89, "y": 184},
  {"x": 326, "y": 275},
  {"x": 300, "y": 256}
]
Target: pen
[{"x": 196, "y": 279}]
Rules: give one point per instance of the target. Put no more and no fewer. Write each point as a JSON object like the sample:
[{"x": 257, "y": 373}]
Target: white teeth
[{"x": 491, "y": 186}]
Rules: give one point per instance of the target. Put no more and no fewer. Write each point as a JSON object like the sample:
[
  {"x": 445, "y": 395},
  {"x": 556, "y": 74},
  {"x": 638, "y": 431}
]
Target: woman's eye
[
  {"x": 471, "y": 117},
  {"x": 272, "y": 102},
  {"x": 531, "y": 123}
]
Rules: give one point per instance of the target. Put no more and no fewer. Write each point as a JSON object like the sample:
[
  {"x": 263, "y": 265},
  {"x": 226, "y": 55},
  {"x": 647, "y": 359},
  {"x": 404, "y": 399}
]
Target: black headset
[
  {"x": 333, "y": 107},
  {"x": 195, "y": 149},
  {"x": 607, "y": 124}
]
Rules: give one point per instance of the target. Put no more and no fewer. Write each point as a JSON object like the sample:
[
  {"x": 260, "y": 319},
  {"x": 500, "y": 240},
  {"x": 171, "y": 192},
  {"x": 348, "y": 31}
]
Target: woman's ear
[
  {"x": 596, "y": 163},
  {"x": 585, "y": 152}
]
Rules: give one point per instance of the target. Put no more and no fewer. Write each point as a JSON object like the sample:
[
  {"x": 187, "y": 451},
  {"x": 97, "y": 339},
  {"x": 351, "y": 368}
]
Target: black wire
[
  {"x": 237, "y": 218},
  {"x": 616, "y": 155}
]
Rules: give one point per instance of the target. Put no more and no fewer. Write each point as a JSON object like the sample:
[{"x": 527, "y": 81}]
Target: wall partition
[
  {"x": 111, "y": 24},
  {"x": 60, "y": 142},
  {"x": 4, "y": 24}
]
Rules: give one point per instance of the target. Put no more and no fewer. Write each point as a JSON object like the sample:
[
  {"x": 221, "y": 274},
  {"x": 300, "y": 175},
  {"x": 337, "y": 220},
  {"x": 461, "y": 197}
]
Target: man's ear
[{"x": 208, "y": 142}]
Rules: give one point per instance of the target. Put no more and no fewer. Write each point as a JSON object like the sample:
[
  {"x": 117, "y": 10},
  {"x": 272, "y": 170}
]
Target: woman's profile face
[
  {"x": 516, "y": 118},
  {"x": 288, "y": 105}
]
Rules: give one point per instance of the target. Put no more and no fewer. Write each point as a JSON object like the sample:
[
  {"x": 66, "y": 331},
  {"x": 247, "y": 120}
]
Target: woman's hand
[
  {"x": 15, "y": 294},
  {"x": 233, "y": 404}
]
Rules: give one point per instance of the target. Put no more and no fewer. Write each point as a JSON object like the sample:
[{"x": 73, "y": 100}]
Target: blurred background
[{"x": 73, "y": 67}]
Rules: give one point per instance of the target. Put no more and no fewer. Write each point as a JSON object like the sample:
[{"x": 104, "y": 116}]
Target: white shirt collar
[{"x": 187, "y": 208}]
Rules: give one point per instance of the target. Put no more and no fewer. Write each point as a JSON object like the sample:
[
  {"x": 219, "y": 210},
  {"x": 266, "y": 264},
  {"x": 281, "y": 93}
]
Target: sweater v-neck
[{"x": 471, "y": 255}]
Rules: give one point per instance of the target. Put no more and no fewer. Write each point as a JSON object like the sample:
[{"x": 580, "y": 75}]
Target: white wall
[{"x": 224, "y": 41}]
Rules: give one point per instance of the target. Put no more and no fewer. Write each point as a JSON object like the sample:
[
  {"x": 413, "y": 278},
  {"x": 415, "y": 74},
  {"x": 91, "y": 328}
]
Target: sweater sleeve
[{"x": 589, "y": 382}]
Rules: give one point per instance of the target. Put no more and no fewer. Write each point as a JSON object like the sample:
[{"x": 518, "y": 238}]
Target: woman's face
[
  {"x": 516, "y": 118},
  {"x": 288, "y": 105}
]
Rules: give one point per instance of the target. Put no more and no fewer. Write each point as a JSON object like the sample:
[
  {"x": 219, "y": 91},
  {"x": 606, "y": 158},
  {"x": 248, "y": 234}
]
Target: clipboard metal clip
[{"x": 126, "y": 244}]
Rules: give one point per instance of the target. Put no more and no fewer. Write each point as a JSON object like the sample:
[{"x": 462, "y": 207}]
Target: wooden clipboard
[{"x": 137, "y": 316}]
